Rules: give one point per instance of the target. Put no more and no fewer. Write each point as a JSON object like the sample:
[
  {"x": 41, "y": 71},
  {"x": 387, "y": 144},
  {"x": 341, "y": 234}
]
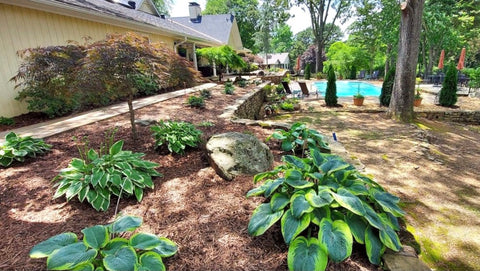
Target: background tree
[
  {"x": 282, "y": 40},
  {"x": 222, "y": 56},
  {"x": 163, "y": 6},
  {"x": 345, "y": 57},
  {"x": 448, "y": 93},
  {"x": 401, "y": 104},
  {"x": 331, "y": 92},
  {"x": 246, "y": 13},
  {"x": 319, "y": 15},
  {"x": 273, "y": 13}
]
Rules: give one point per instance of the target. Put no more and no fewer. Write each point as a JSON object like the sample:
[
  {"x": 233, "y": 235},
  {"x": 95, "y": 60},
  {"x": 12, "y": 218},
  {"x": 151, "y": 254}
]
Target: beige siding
[{"x": 22, "y": 28}]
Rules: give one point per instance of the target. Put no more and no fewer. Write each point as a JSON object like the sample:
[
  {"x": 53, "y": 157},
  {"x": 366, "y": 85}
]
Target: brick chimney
[{"x": 195, "y": 12}]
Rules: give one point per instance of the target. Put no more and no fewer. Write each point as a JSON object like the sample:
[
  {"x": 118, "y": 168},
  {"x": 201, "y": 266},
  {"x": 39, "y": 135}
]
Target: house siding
[{"x": 22, "y": 28}]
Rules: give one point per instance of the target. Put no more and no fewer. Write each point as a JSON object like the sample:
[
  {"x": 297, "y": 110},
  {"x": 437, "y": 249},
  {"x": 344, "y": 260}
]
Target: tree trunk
[
  {"x": 401, "y": 104},
  {"x": 319, "y": 58},
  {"x": 132, "y": 116}
]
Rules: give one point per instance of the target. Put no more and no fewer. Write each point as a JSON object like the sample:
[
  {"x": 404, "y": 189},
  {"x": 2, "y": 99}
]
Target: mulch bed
[{"x": 205, "y": 215}]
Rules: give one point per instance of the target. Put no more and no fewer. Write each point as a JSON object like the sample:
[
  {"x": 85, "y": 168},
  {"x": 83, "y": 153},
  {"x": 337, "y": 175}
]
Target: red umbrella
[
  {"x": 298, "y": 64},
  {"x": 461, "y": 61},
  {"x": 442, "y": 57}
]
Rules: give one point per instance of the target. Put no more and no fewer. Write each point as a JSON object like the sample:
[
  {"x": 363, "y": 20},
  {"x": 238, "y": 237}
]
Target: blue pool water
[{"x": 349, "y": 88}]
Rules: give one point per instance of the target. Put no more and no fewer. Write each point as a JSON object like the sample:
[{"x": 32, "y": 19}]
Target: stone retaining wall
[
  {"x": 453, "y": 116},
  {"x": 248, "y": 106}
]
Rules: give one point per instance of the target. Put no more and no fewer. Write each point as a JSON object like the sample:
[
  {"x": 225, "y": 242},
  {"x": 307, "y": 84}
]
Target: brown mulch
[{"x": 205, "y": 215}]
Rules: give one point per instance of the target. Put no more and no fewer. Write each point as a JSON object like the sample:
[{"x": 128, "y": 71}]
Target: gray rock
[
  {"x": 233, "y": 154},
  {"x": 404, "y": 260}
]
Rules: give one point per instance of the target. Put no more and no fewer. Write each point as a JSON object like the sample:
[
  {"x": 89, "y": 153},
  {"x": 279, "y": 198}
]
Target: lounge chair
[
  {"x": 303, "y": 87},
  {"x": 361, "y": 75},
  {"x": 375, "y": 75},
  {"x": 288, "y": 91}
]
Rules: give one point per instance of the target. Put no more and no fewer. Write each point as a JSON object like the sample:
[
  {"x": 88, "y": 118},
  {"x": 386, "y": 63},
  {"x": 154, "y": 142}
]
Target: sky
[{"x": 299, "y": 22}]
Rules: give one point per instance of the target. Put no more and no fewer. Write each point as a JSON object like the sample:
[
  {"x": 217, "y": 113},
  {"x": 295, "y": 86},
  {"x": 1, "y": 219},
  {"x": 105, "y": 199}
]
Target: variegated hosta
[
  {"x": 18, "y": 147},
  {"x": 95, "y": 180},
  {"x": 102, "y": 249},
  {"x": 326, "y": 194}
]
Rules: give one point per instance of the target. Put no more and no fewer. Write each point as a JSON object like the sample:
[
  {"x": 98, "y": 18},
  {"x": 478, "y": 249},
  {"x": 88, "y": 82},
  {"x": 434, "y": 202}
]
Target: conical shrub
[
  {"x": 448, "y": 93},
  {"x": 331, "y": 92},
  {"x": 307, "y": 72},
  {"x": 387, "y": 88}
]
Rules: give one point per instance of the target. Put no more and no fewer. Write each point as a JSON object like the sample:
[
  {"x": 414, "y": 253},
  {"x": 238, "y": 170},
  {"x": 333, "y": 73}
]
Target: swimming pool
[{"x": 349, "y": 88}]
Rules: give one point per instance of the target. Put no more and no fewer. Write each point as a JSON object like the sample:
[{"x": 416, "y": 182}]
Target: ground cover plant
[
  {"x": 17, "y": 148},
  {"x": 104, "y": 247},
  {"x": 299, "y": 138},
  {"x": 196, "y": 101},
  {"x": 324, "y": 196},
  {"x": 176, "y": 135},
  {"x": 229, "y": 89},
  {"x": 97, "y": 177}
]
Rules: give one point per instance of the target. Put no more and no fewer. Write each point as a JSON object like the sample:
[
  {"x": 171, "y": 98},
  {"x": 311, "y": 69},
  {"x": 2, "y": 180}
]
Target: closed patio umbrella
[
  {"x": 461, "y": 61},
  {"x": 442, "y": 57},
  {"x": 298, "y": 64}
]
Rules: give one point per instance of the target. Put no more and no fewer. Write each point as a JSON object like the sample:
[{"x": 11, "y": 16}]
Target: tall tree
[
  {"x": 273, "y": 13},
  {"x": 319, "y": 15},
  {"x": 401, "y": 104},
  {"x": 246, "y": 13},
  {"x": 282, "y": 40}
]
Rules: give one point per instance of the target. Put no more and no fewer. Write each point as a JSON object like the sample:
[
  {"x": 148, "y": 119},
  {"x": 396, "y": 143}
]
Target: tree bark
[
  {"x": 401, "y": 104},
  {"x": 132, "y": 116}
]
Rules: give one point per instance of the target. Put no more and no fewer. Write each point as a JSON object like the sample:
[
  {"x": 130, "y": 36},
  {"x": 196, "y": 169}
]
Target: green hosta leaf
[
  {"x": 124, "y": 259},
  {"x": 139, "y": 193},
  {"x": 318, "y": 157},
  {"x": 337, "y": 237},
  {"x": 5, "y": 161},
  {"x": 333, "y": 165},
  {"x": 70, "y": 256},
  {"x": 319, "y": 214},
  {"x": 62, "y": 188},
  {"x": 295, "y": 161},
  {"x": 11, "y": 137},
  {"x": 372, "y": 217},
  {"x": 92, "y": 154},
  {"x": 307, "y": 255},
  {"x": 357, "y": 188},
  {"x": 95, "y": 237},
  {"x": 166, "y": 248},
  {"x": 287, "y": 145},
  {"x": 91, "y": 195},
  {"x": 259, "y": 190},
  {"x": 20, "y": 153},
  {"x": 349, "y": 201},
  {"x": 151, "y": 261},
  {"x": 144, "y": 241},
  {"x": 279, "y": 201},
  {"x": 299, "y": 204},
  {"x": 84, "y": 267},
  {"x": 295, "y": 179},
  {"x": 292, "y": 226},
  {"x": 262, "y": 219},
  {"x": 393, "y": 221},
  {"x": 114, "y": 245},
  {"x": 116, "y": 148},
  {"x": 390, "y": 238},
  {"x": 83, "y": 193},
  {"x": 127, "y": 186},
  {"x": 53, "y": 243},
  {"x": 272, "y": 186},
  {"x": 373, "y": 245},
  {"x": 97, "y": 176},
  {"x": 100, "y": 203},
  {"x": 388, "y": 202},
  {"x": 357, "y": 226},
  {"x": 126, "y": 223},
  {"x": 73, "y": 190},
  {"x": 77, "y": 164},
  {"x": 319, "y": 200}
]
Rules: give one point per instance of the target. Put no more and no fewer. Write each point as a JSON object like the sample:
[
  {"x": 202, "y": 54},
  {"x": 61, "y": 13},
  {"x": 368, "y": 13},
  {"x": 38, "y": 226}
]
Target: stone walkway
[{"x": 49, "y": 128}]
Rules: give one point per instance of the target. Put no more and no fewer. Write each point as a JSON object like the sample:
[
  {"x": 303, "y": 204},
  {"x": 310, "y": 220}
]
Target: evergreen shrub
[
  {"x": 331, "y": 92},
  {"x": 448, "y": 93}
]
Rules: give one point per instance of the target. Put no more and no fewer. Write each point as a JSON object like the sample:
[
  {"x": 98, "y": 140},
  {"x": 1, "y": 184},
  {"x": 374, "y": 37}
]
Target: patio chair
[
  {"x": 375, "y": 75},
  {"x": 361, "y": 75},
  {"x": 303, "y": 87},
  {"x": 288, "y": 91}
]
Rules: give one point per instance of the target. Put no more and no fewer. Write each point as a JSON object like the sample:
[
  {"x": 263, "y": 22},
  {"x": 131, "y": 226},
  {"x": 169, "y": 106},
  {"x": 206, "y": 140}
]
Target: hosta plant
[
  {"x": 177, "y": 135},
  {"x": 97, "y": 177},
  {"x": 104, "y": 247},
  {"x": 323, "y": 205},
  {"x": 300, "y": 138},
  {"x": 18, "y": 147},
  {"x": 196, "y": 101},
  {"x": 229, "y": 88}
]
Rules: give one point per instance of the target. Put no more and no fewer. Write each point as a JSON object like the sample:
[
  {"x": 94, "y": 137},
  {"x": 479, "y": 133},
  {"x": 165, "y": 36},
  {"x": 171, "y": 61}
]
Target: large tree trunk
[
  {"x": 132, "y": 116},
  {"x": 401, "y": 104}
]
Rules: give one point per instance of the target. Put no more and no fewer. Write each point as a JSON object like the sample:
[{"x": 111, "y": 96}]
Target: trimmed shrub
[
  {"x": 206, "y": 93},
  {"x": 196, "y": 101},
  {"x": 448, "y": 93},
  {"x": 229, "y": 88},
  {"x": 387, "y": 88},
  {"x": 307, "y": 72},
  {"x": 331, "y": 92},
  {"x": 353, "y": 73}
]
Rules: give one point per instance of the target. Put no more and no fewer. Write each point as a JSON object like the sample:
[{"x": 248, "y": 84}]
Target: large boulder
[{"x": 233, "y": 154}]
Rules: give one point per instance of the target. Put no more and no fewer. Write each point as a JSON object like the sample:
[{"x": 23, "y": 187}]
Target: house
[
  {"x": 279, "y": 60},
  {"x": 35, "y": 23}
]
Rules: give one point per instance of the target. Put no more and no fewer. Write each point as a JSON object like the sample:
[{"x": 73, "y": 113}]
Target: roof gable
[
  {"x": 217, "y": 26},
  {"x": 280, "y": 58}
]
